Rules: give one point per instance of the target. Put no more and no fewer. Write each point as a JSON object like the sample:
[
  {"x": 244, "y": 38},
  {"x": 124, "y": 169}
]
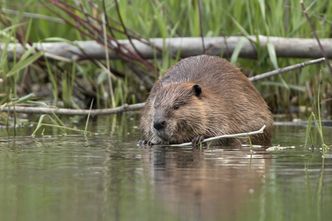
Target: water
[{"x": 107, "y": 177}]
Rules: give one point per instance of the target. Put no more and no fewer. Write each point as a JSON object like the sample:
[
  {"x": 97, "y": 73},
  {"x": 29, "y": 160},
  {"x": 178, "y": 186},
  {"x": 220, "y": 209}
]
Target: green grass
[{"x": 161, "y": 18}]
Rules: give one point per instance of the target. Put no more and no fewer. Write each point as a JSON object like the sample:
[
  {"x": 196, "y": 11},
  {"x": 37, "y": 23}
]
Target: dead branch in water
[
  {"x": 303, "y": 123},
  {"x": 260, "y": 131},
  {"x": 187, "y": 46}
]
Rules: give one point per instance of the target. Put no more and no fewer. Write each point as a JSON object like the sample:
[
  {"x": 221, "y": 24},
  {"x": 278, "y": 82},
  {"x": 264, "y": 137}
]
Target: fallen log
[{"x": 187, "y": 46}]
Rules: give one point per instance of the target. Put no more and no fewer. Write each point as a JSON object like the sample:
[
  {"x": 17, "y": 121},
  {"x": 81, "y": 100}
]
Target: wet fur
[{"x": 228, "y": 103}]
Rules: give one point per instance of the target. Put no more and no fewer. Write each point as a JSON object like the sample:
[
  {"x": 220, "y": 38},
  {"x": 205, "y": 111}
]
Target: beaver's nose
[{"x": 159, "y": 125}]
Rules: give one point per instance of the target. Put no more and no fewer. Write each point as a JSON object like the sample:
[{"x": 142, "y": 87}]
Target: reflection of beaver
[
  {"x": 201, "y": 97},
  {"x": 207, "y": 185}
]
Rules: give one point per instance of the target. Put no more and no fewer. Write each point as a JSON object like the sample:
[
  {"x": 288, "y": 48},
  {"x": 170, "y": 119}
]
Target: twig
[
  {"x": 260, "y": 131},
  {"x": 133, "y": 34},
  {"x": 139, "y": 56},
  {"x": 117, "y": 7},
  {"x": 84, "y": 26},
  {"x": 285, "y": 69},
  {"x": 65, "y": 111},
  {"x": 108, "y": 66},
  {"x": 314, "y": 33},
  {"x": 90, "y": 26},
  {"x": 200, "y": 9}
]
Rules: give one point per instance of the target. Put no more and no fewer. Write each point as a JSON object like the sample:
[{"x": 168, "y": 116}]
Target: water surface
[{"x": 107, "y": 177}]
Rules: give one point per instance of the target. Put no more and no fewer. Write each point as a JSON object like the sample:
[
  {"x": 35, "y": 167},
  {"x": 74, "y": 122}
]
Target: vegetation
[{"x": 32, "y": 79}]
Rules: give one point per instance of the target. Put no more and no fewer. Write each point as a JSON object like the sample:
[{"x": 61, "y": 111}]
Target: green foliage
[
  {"x": 314, "y": 131},
  {"x": 46, "y": 121},
  {"x": 37, "y": 21},
  {"x": 172, "y": 18}
]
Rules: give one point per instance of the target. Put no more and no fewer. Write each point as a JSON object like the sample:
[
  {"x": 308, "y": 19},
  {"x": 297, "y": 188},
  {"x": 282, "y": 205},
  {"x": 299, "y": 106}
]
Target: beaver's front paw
[
  {"x": 144, "y": 143},
  {"x": 197, "y": 141}
]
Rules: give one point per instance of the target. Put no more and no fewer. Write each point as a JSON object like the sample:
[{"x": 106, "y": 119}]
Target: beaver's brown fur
[{"x": 204, "y": 96}]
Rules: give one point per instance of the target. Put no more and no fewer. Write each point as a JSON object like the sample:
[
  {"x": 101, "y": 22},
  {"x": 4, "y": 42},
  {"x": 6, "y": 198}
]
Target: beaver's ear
[{"x": 197, "y": 90}]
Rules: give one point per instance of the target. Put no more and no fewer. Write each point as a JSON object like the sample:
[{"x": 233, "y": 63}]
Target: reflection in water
[
  {"x": 106, "y": 177},
  {"x": 207, "y": 185}
]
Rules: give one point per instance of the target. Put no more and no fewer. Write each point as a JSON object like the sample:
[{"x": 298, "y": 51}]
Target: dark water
[{"x": 106, "y": 177}]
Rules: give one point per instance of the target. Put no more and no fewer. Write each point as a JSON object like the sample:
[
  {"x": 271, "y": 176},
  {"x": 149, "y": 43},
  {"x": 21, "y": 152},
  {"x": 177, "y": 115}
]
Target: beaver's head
[{"x": 178, "y": 113}]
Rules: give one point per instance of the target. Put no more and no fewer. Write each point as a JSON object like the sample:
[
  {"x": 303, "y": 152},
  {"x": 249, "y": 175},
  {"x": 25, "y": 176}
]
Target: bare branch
[
  {"x": 65, "y": 111},
  {"x": 260, "y": 131},
  {"x": 285, "y": 69},
  {"x": 117, "y": 7}
]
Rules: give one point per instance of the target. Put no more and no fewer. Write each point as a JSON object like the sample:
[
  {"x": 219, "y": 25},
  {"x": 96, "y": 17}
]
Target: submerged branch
[
  {"x": 187, "y": 46},
  {"x": 260, "y": 131},
  {"x": 325, "y": 123}
]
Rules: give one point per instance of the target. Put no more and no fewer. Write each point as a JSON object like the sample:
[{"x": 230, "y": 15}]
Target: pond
[{"x": 107, "y": 177}]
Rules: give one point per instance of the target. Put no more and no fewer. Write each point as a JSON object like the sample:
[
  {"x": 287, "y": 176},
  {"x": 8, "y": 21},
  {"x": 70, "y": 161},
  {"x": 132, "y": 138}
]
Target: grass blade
[{"x": 23, "y": 63}]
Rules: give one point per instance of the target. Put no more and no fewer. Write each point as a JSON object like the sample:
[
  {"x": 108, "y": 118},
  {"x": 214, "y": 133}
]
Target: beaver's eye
[{"x": 176, "y": 106}]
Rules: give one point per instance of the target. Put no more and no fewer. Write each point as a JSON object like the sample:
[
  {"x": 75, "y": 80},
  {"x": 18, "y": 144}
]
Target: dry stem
[
  {"x": 285, "y": 69},
  {"x": 246, "y": 134}
]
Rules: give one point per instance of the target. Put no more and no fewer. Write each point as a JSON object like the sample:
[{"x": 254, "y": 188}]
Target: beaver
[{"x": 200, "y": 97}]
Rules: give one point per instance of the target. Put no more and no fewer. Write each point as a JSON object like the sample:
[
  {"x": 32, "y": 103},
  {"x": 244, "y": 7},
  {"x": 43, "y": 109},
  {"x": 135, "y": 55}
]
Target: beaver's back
[
  {"x": 207, "y": 70},
  {"x": 216, "y": 74}
]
